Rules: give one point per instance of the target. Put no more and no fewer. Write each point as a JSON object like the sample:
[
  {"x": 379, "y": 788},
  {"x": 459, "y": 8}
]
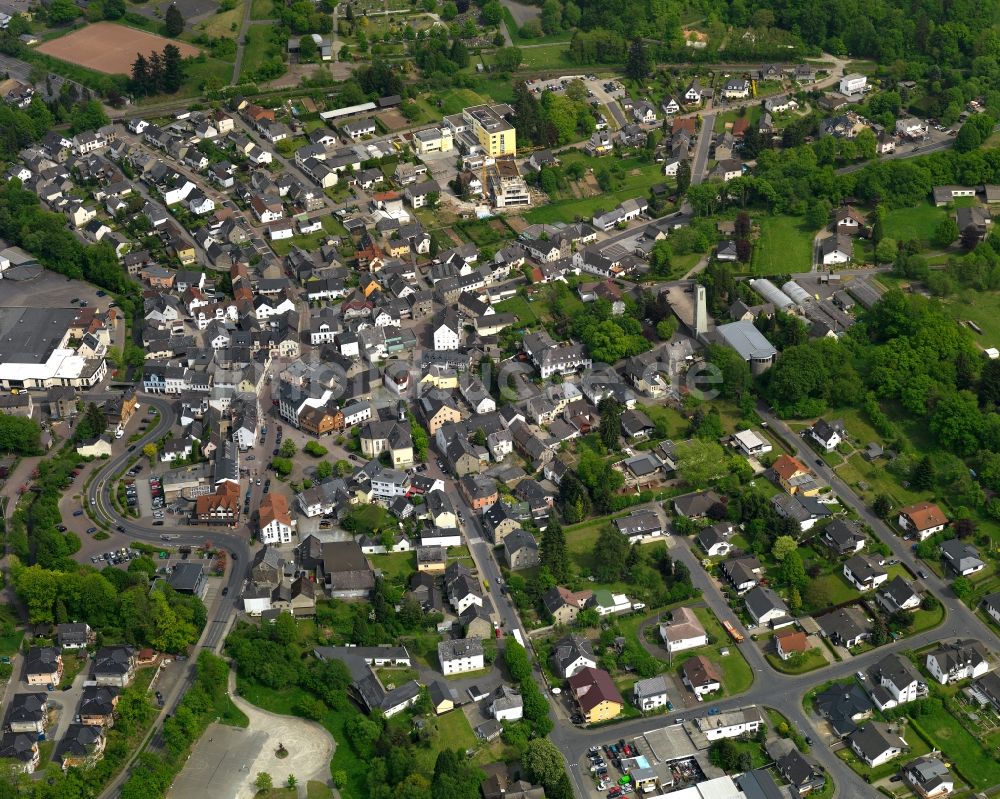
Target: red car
[{"x": 615, "y": 792}]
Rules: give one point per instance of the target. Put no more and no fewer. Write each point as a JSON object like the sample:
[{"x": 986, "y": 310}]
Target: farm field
[{"x": 109, "y": 48}]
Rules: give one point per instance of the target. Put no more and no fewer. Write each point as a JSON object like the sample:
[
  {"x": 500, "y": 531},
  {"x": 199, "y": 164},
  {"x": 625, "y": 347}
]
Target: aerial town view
[{"x": 509, "y": 399}]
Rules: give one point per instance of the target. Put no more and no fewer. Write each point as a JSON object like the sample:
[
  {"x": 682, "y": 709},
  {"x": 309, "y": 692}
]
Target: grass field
[
  {"x": 737, "y": 676},
  {"x": 397, "y": 566},
  {"x": 983, "y": 308},
  {"x": 753, "y": 114},
  {"x": 918, "y": 222},
  {"x": 517, "y": 39},
  {"x": 310, "y": 241},
  {"x": 225, "y": 24},
  {"x": 973, "y": 762},
  {"x": 547, "y": 56},
  {"x": 638, "y": 179},
  {"x": 810, "y": 660},
  {"x": 784, "y": 246},
  {"x": 527, "y": 313},
  {"x": 258, "y": 49},
  {"x": 262, "y": 9}
]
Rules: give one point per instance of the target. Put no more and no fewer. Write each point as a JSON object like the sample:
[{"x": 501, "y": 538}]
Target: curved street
[{"x": 770, "y": 688}]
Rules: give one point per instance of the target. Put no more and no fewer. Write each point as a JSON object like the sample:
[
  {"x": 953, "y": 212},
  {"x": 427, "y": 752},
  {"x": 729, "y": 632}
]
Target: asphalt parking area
[{"x": 221, "y": 764}]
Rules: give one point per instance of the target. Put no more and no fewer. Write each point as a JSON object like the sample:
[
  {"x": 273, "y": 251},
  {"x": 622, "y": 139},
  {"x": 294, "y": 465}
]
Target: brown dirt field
[
  {"x": 393, "y": 119},
  {"x": 110, "y": 48}
]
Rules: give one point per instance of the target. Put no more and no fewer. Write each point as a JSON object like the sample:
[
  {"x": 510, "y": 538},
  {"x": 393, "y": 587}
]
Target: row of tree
[{"x": 158, "y": 72}]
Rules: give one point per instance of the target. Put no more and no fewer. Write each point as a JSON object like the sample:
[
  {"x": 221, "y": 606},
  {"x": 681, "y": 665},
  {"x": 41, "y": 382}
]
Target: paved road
[
  {"x": 220, "y": 616},
  {"x": 962, "y": 622},
  {"x": 241, "y": 42}
]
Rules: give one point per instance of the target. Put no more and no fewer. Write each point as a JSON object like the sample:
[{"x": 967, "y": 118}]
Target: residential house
[
  {"x": 827, "y": 434},
  {"x": 958, "y": 660},
  {"x": 43, "y": 665},
  {"x": 898, "y": 595},
  {"x": 275, "y": 522},
  {"x": 595, "y": 694},
  {"x": 81, "y": 746},
  {"x": 845, "y": 627},
  {"x": 894, "y": 681},
  {"x": 962, "y": 558},
  {"x": 865, "y": 572},
  {"x": 520, "y": 550},
  {"x": 639, "y": 525},
  {"x": 115, "y": 666},
  {"x": 788, "y": 643},
  {"x": 766, "y": 607},
  {"x": 460, "y": 656},
  {"x": 929, "y": 777},
  {"x": 571, "y": 655},
  {"x": 714, "y": 540},
  {"x": 564, "y": 605},
  {"x": 701, "y": 676},
  {"x": 28, "y": 712},
  {"x": 844, "y": 537},
  {"x": 650, "y": 694},
  {"x": 922, "y": 519},
  {"x": 877, "y": 743},
  {"x": 684, "y": 631}
]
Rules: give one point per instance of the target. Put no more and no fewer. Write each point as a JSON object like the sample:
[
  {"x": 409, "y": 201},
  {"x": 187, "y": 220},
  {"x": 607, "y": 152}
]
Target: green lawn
[
  {"x": 810, "y": 660},
  {"x": 259, "y": 48},
  {"x": 918, "y": 222},
  {"x": 225, "y": 23},
  {"x": 397, "y": 566},
  {"x": 983, "y": 308},
  {"x": 527, "y": 313},
  {"x": 753, "y": 114},
  {"x": 309, "y": 241},
  {"x": 517, "y": 39},
  {"x": 262, "y": 9},
  {"x": 838, "y": 590},
  {"x": 72, "y": 665},
  {"x": 784, "y": 246},
  {"x": 549, "y": 56},
  {"x": 737, "y": 676},
  {"x": 974, "y": 763},
  {"x": 370, "y": 518},
  {"x": 639, "y": 177},
  {"x": 670, "y": 418}
]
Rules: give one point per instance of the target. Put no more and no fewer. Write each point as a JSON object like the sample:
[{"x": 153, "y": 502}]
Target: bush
[{"x": 315, "y": 449}]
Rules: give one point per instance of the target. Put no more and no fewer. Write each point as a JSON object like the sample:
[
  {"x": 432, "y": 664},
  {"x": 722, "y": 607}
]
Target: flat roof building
[{"x": 750, "y": 343}]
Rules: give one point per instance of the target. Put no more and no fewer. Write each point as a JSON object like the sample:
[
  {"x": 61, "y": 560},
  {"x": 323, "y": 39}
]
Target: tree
[
  {"x": 882, "y": 506},
  {"x": 699, "y": 461},
  {"x": 516, "y": 658},
  {"x": 610, "y": 555},
  {"x": 507, "y": 59},
  {"x": 945, "y": 232},
  {"x": 492, "y": 13},
  {"x": 263, "y": 782},
  {"x": 455, "y": 777},
  {"x": 324, "y": 469},
  {"x": 62, "y": 11},
  {"x": 173, "y": 21},
  {"x": 308, "y": 49},
  {"x": 611, "y": 421},
  {"x": 291, "y": 782},
  {"x": 783, "y": 545},
  {"x": 554, "y": 555},
  {"x": 683, "y": 177},
  {"x": 543, "y": 762},
  {"x": 421, "y": 442},
  {"x": 173, "y": 70},
  {"x": 885, "y": 251},
  {"x": 922, "y": 476},
  {"x": 637, "y": 64},
  {"x": 288, "y": 448},
  {"x": 989, "y": 383},
  {"x": 151, "y": 452},
  {"x": 734, "y": 371},
  {"x": 969, "y": 138}
]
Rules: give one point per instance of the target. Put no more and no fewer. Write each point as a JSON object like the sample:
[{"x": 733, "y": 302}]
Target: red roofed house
[
  {"x": 790, "y": 642},
  {"x": 924, "y": 519}
]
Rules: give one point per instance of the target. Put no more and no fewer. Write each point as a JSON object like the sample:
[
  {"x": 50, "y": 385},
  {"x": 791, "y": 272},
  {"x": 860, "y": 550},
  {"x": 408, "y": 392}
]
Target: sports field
[{"x": 110, "y": 48}]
